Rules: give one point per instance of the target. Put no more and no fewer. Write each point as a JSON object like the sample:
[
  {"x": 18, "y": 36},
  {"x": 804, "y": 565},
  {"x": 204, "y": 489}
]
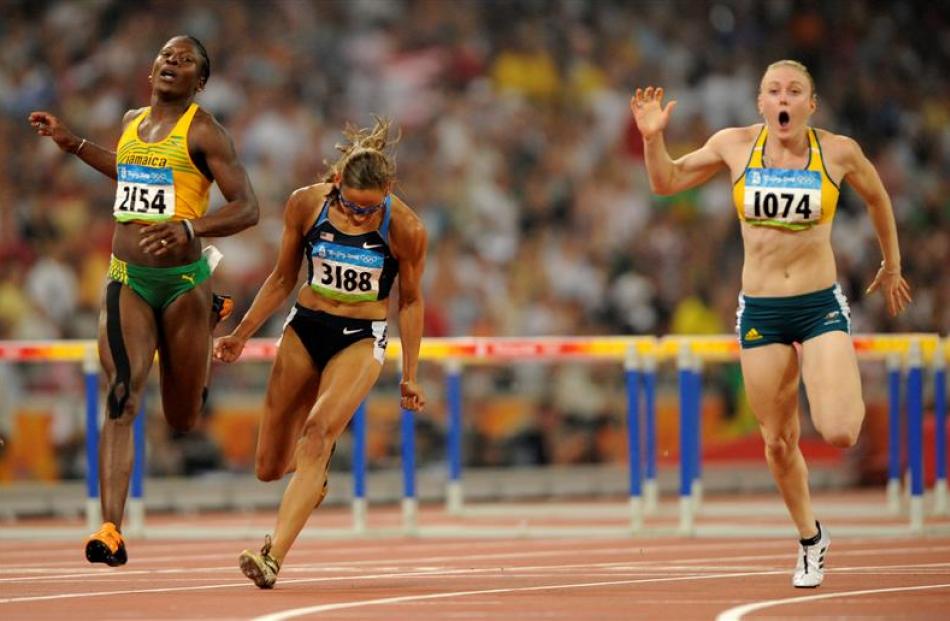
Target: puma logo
[{"x": 190, "y": 278}]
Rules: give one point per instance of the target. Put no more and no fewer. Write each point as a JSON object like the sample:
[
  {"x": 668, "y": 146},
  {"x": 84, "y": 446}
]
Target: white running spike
[{"x": 810, "y": 566}]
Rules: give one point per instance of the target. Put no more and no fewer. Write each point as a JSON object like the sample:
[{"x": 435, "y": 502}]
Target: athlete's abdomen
[{"x": 780, "y": 262}]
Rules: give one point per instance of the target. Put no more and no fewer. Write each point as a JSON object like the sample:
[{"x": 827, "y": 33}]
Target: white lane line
[
  {"x": 548, "y": 547},
  {"x": 373, "y": 563},
  {"x": 149, "y": 551},
  {"x": 686, "y": 565},
  {"x": 669, "y": 565},
  {"x": 394, "y": 572},
  {"x": 735, "y": 614},
  {"x": 207, "y": 587},
  {"x": 80, "y": 560},
  {"x": 311, "y": 610},
  {"x": 245, "y": 584}
]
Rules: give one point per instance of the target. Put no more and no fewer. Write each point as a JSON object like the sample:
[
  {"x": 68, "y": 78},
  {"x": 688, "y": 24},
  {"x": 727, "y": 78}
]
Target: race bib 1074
[
  {"x": 783, "y": 196},
  {"x": 144, "y": 193}
]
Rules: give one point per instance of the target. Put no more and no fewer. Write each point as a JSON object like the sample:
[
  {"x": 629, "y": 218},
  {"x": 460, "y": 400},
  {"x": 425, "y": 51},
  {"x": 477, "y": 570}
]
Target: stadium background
[{"x": 518, "y": 151}]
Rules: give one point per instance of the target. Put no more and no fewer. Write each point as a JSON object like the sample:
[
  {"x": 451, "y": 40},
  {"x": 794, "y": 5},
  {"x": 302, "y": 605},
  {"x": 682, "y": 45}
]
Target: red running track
[{"x": 576, "y": 579}]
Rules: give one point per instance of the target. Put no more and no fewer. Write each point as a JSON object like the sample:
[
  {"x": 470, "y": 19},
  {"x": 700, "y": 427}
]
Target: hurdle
[
  {"x": 940, "y": 424},
  {"x": 636, "y": 354},
  {"x": 639, "y": 357},
  {"x": 909, "y": 352}
]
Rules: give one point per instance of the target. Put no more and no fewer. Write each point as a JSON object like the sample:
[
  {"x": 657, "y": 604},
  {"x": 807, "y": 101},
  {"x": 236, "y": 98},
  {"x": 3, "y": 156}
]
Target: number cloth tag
[
  {"x": 144, "y": 193},
  {"x": 346, "y": 273},
  {"x": 783, "y": 197}
]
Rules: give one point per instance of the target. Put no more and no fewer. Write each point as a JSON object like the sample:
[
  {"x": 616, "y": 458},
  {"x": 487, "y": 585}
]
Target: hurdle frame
[{"x": 639, "y": 356}]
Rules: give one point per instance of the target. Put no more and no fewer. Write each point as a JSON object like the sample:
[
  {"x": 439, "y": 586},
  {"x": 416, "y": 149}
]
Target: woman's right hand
[
  {"x": 648, "y": 111},
  {"x": 47, "y": 124},
  {"x": 228, "y": 348}
]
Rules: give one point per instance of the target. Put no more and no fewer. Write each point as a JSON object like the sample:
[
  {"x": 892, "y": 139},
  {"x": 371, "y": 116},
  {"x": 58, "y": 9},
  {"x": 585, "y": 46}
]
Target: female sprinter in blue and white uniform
[{"x": 358, "y": 238}]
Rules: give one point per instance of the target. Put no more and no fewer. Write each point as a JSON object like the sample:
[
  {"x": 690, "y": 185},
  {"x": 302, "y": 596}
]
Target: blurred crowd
[{"x": 517, "y": 146}]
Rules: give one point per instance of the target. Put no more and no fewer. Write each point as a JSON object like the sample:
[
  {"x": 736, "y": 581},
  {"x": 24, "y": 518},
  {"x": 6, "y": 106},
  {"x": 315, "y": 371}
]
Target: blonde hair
[
  {"x": 794, "y": 64},
  {"x": 364, "y": 163}
]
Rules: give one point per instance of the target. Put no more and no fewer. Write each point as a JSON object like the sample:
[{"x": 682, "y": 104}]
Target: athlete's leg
[
  {"x": 127, "y": 341},
  {"x": 291, "y": 392},
  {"x": 184, "y": 348},
  {"x": 833, "y": 383},
  {"x": 771, "y": 380},
  {"x": 346, "y": 381}
]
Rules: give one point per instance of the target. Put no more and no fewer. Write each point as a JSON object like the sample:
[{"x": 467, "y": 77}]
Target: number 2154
[{"x": 136, "y": 199}]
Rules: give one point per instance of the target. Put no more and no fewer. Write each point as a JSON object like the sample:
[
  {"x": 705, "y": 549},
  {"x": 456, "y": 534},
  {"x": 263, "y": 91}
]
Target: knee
[
  {"x": 269, "y": 465},
  {"x": 122, "y": 402},
  {"x": 840, "y": 436},
  {"x": 183, "y": 421},
  {"x": 780, "y": 447},
  {"x": 268, "y": 471},
  {"x": 842, "y": 432},
  {"x": 315, "y": 442}
]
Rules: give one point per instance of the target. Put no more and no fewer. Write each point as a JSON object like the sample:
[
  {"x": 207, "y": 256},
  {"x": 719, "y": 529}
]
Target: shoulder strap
[
  {"x": 816, "y": 162},
  {"x": 387, "y": 216},
  {"x": 324, "y": 211},
  {"x": 141, "y": 116},
  {"x": 755, "y": 157},
  {"x": 184, "y": 121}
]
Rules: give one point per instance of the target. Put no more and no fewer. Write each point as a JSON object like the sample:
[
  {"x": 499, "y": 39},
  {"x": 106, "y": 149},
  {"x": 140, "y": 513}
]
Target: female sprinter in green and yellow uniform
[
  {"x": 158, "y": 296},
  {"x": 786, "y": 178}
]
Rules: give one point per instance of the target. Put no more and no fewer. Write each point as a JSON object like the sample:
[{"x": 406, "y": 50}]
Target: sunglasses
[{"x": 359, "y": 209}]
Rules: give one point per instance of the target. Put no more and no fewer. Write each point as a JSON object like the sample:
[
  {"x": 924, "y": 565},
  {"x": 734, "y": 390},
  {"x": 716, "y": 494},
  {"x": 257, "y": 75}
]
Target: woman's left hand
[
  {"x": 161, "y": 237},
  {"x": 413, "y": 398},
  {"x": 893, "y": 287}
]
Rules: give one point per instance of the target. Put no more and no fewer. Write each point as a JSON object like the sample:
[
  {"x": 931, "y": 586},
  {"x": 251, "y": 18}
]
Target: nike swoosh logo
[
  {"x": 370, "y": 246},
  {"x": 352, "y": 331}
]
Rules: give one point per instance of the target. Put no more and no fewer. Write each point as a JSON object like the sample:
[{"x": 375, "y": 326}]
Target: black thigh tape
[{"x": 120, "y": 358}]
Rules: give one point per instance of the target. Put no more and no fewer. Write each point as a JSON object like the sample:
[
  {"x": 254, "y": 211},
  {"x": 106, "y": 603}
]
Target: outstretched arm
[
  {"x": 410, "y": 248},
  {"x": 862, "y": 176},
  {"x": 668, "y": 176},
  {"x": 278, "y": 285},
  {"x": 97, "y": 157}
]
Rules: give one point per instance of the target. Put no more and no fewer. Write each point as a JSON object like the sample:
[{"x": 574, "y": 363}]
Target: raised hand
[
  {"x": 893, "y": 287},
  {"x": 47, "y": 124},
  {"x": 648, "y": 111}
]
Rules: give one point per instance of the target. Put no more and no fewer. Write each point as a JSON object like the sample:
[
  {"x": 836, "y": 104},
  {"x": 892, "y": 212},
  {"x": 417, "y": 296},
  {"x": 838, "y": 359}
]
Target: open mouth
[
  {"x": 167, "y": 75},
  {"x": 784, "y": 119}
]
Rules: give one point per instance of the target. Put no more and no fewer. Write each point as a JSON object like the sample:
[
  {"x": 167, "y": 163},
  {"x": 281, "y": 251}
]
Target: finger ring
[{"x": 164, "y": 242}]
